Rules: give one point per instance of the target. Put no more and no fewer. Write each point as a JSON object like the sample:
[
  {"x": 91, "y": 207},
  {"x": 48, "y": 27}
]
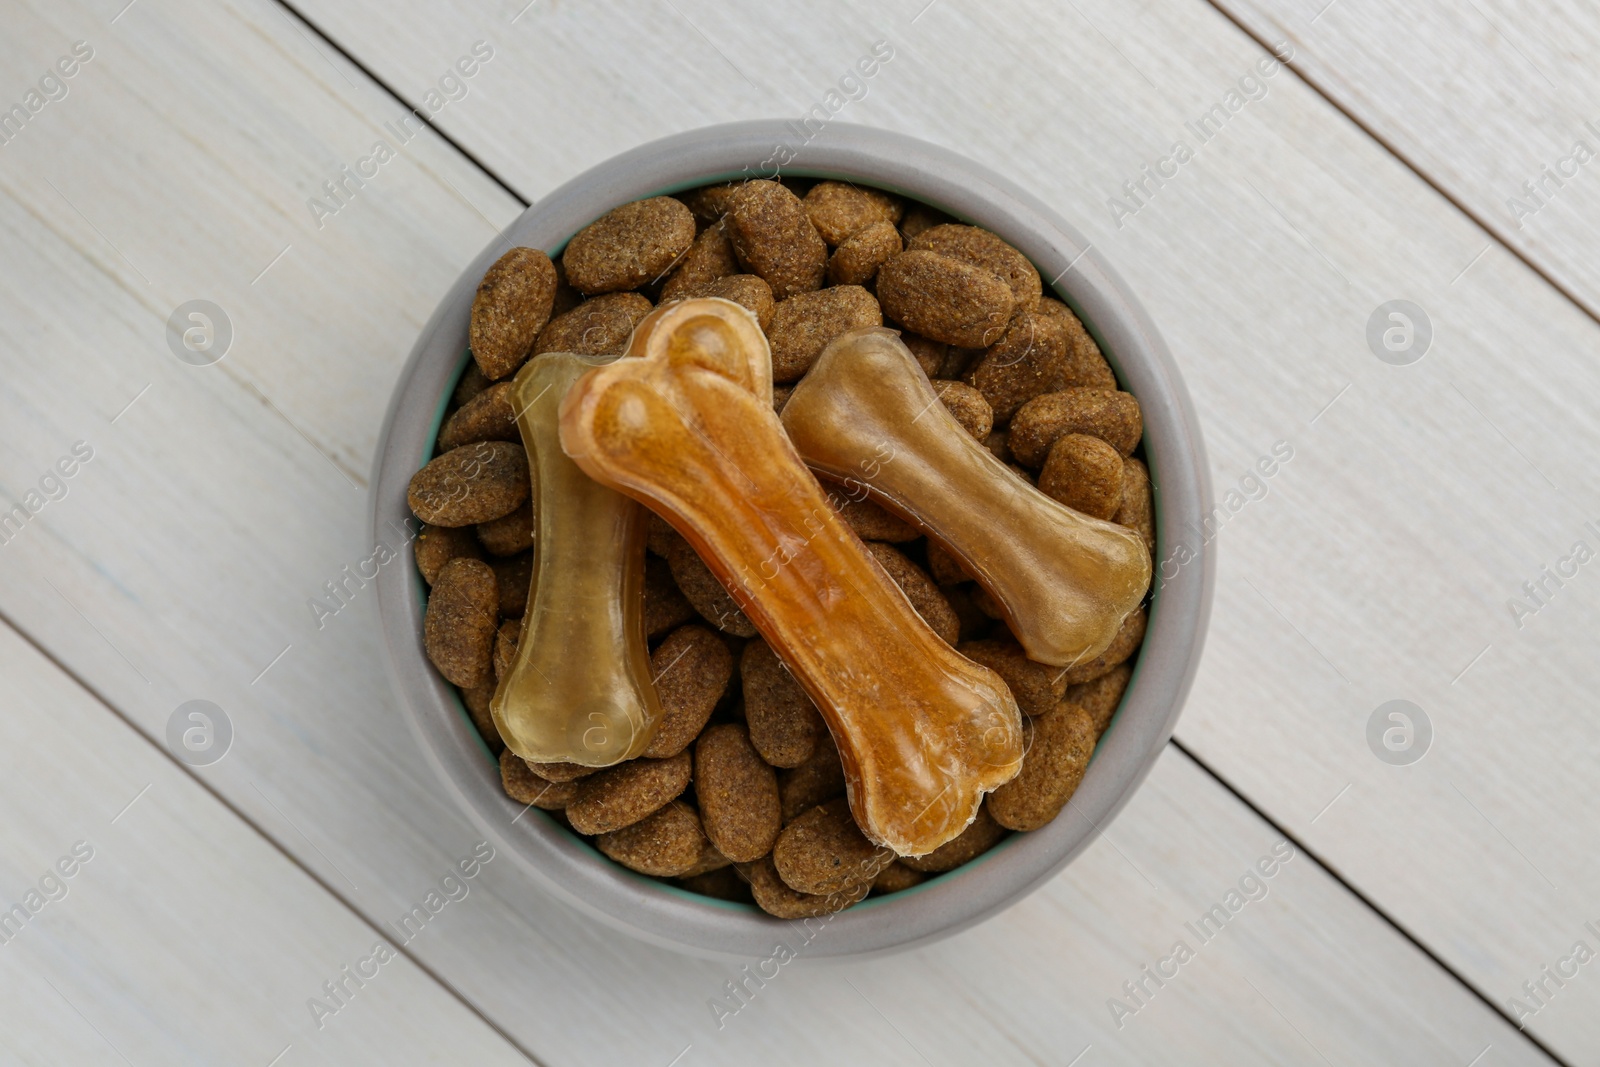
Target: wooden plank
[
  {"x": 1381, "y": 561},
  {"x": 1489, "y": 100},
  {"x": 156, "y": 927},
  {"x": 178, "y": 565}
]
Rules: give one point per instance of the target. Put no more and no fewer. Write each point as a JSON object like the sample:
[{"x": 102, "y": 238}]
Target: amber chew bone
[
  {"x": 922, "y": 731},
  {"x": 579, "y": 689},
  {"x": 866, "y": 414}
]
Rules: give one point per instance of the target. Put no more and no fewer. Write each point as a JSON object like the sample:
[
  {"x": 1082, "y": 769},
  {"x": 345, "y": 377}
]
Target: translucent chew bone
[
  {"x": 579, "y": 688},
  {"x": 865, "y": 414},
  {"x": 922, "y": 731}
]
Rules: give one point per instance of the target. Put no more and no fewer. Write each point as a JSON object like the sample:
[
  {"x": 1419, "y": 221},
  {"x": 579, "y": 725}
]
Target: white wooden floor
[{"x": 218, "y": 900}]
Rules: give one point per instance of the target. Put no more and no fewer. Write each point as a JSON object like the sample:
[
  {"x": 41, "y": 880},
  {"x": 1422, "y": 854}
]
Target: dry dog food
[{"x": 742, "y": 759}]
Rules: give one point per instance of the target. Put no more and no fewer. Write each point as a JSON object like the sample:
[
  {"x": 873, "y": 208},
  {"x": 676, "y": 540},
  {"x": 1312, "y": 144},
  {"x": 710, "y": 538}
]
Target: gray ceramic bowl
[{"x": 665, "y": 915}]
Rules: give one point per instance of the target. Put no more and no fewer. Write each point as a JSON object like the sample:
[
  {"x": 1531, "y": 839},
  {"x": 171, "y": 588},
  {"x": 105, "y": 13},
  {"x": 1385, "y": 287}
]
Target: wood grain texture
[
  {"x": 184, "y": 937},
  {"x": 1419, "y": 499},
  {"x": 180, "y": 561}
]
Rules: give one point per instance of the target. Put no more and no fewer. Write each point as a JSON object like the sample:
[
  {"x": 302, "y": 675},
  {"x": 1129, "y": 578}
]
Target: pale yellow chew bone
[{"x": 866, "y": 414}]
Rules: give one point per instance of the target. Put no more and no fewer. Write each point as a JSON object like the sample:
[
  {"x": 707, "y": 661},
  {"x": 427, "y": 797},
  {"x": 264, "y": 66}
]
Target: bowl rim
[{"x": 564, "y": 864}]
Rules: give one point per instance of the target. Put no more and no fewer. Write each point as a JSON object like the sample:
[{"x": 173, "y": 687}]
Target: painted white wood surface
[
  {"x": 1487, "y": 98},
  {"x": 185, "y": 937},
  {"x": 1380, "y": 564},
  {"x": 179, "y": 563}
]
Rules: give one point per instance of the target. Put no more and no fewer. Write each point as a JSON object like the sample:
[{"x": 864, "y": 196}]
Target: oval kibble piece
[
  {"x": 1061, "y": 744},
  {"x": 600, "y": 326},
  {"x": 629, "y": 246},
  {"x": 998, "y": 442},
  {"x": 943, "y": 566},
  {"x": 920, "y": 218},
  {"x": 775, "y": 897},
  {"x": 710, "y": 858},
  {"x": 665, "y": 844},
  {"x": 945, "y": 299},
  {"x": 1085, "y": 474},
  {"x": 897, "y": 877},
  {"x": 784, "y": 724},
  {"x": 819, "y": 778},
  {"x": 512, "y": 576},
  {"x": 489, "y": 416},
  {"x": 724, "y": 883},
  {"x": 920, "y": 590},
  {"x": 710, "y": 202},
  {"x": 690, "y": 670},
  {"x": 974, "y": 623},
  {"x": 929, "y": 354},
  {"x": 983, "y": 249},
  {"x": 526, "y": 787},
  {"x": 561, "y": 772},
  {"x": 982, "y": 835},
  {"x": 471, "y": 484},
  {"x": 471, "y": 384},
  {"x": 1101, "y": 696},
  {"x": 709, "y": 258},
  {"x": 511, "y": 307},
  {"x": 1122, "y": 646},
  {"x": 622, "y": 795},
  {"x": 1136, "y": 510},
  {"x": 774, "y": 237},
  {"x": 1026, "y": 362},
  {"x": 1037, "y": 687},
  {"x": 664, "y": 605},
  {"x": 824, "y": 851},
  {"x": 840, "y": 210},
  {"x": 969, "y": 407},
  {"x": 702, "y": 589},
  {"x": 738, "y": 793},
  {"x": 505, "y": 646},
  {"x": 872, "y": 522},
  {"x": 437, "y": 545},
  {"x": 460, "y": 621},
  {"x": 1112, "y": 416},
  {"x": 509, "y": 534},
  {"x": 803, "y": 325},
  {"x": 1084, "y": 366},
  {"x": 746, "y": 290},
  {"x": 477, "y": 700},
  {"x": 857, "y": 259}
]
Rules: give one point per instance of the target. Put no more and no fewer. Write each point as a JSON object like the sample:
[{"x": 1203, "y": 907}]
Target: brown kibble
[
  {"x": 803, "y": 325},
  {"x": 509, "y": 534},
  {"x": 567, "y": 297},
  {"x": 664, "y": 603},
  {"x": 985, "y": 602},
  {"x": 524, "y": 786},
  {"x": 1113, "y": 417},
  {"x": 773, "y": 236},
  {"x": 969, "y": 407},
  {"x": 1122, "y": 646},
  {"x": 622, "y": 795},
  {"x": 459, "y": 623},
  {"x": 1037, "y": 687},
  {"x": 471, "y": 484},
  {"x": 945, "y": 299},
  {"x": 746, "y": 290},
  {"x": 856, "y": 260},
  {"x": 1085, "y": 474},
  {"x": 871, "y": 522},
  {"x": 930, "y": 355},
  {"x": 600, "y": 326},
  {"x": 505, "y": 646},
  {"x": 1084, "y": 366},
  {"x": 780, "y": 397},
  {"x": 920, "y": 218},
  {"x": 710, "y": 202},
  {"x": 920, "y": 590},
  {"x": 1101, "y": 696},
  {"x": 1136, "y": 510},
  {"x": 723, "y": 883},
  {"x": 702, "y": 589},
  {"x": 998, "y": 442},
  {"x": 629, "y": 246},
  {"x": 709, "y": 258},
  {"x": 784, "y": 724},
  {"x": 437, "y": 545},
  {"x": 1026, "y": 362},
  {"x": 1060, "y": 745},
  {"x": 958, "y": 361},
  {"x": 775, "y": 897},
  {"x": 710, "y": 858},
  {"x": 660, "y": 537},
  {"x": 738, "y": 793},
  {"x": 690, "y": 670},
  {"x": 472, "y": 383},
  {"x": 824, "y": 851},
  {"x": 511, "y": 307},
  {"x": 943, "y": 565},
  {"x": 665, "y": 844},
  {"x": 979, "y": 837},
  {"x": 983, "y": 249},
  {"x": 897, "y": 877},
  {"x": 819, "y": 778},
  {"x": 974, "y": 623},
  {"x": 561, "y": 772},
  {"x": 840, "y": 210},
  {"x": 477, "y": 700},
  {"x": 512, "y": 576},
  {"x": 489, "y": 416}
]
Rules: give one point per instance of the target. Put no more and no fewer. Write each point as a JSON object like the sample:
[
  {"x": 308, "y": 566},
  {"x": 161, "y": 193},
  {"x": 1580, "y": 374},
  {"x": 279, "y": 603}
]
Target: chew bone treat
[
  {"x": 579, "y": 688},
  {"x": 1064, "y": 581},
  {"x": 923, "y": 732}
]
